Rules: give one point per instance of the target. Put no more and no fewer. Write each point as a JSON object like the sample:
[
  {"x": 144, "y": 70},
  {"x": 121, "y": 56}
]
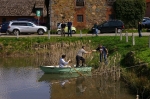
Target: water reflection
[
  {"x": 80, "y": 87},
  {"x": 20, "y": 79},
  {"x": 86, "y": 87}
]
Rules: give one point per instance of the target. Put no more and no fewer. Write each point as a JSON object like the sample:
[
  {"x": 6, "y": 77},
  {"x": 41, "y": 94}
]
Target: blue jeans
[
  {"x": 96, "y": 32},
  {"x": 103, "y": 56}
]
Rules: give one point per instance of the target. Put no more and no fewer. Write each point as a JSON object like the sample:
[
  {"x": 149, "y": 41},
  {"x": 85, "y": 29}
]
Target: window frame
[
  {"x": 80, "y": 3},
  {"x": 80, "y": 18}
]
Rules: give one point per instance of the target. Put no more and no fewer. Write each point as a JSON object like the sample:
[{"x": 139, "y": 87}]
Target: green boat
[{"x": 67, "y": 69}]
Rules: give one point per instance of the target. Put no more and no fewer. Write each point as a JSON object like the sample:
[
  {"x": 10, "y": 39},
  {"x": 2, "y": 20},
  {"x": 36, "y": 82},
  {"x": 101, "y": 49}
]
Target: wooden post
[
  {"x": 133, "y": 40},
  {"x": 120, "y": 36},
  {"x": 80, "y": 33},
  {"x": 17, "y": 35},
  {"x": 137, "y": 96},
  {"x": 149, "y": 41},
  {"x": 49, "y": 34},
  {"x": 116, "y": 32},
  {"x": 126, "y": 36}
]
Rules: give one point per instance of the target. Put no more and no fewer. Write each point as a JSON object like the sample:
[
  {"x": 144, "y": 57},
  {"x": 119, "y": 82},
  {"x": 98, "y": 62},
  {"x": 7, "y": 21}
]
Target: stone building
[{"x": 83, "y": 13}]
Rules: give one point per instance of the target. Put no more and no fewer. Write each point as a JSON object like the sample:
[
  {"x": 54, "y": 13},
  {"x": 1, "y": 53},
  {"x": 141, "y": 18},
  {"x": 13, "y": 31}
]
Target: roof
[{"x": 19, "y": 7}]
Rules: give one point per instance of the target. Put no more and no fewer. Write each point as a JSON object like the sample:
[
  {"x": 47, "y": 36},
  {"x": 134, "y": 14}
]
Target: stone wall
[{"x": 95, "y": 10}]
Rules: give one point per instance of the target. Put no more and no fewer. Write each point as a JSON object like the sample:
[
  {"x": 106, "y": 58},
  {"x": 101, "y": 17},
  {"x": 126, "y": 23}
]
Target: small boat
[{"x": 67, "y": 69}]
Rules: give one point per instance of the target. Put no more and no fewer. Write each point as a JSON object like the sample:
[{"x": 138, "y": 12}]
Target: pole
[
  {"x": 126, "y": 36},
  {"x": 80, "y": 33},
  {"x": 116, "y": 32},
  {"x": 49, "y": 19},
  {"x": 133, "y": 40},
  {"x": 17, "y": 35},
  {"x": 120, "y": 36},
  {"x": 49, "y": 34},
  {"x": 38, "y": 20},
  {"x": 149, "y": 41}
]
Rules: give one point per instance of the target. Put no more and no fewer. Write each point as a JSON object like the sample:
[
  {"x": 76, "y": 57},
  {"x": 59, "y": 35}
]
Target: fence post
[
  {"x": 126, "y": 36},
  {"x": 116, "y": 32},
  {"x": 120, "y": 36},
  {"x": 133, "y": 40},
  {"x": 17, "y": 35},
  {"x": 137, "y": 96},
  {"x": 49, "y": 34},
  {"x": 149, "y": 41},
  {"x": 80, "y": 33}
]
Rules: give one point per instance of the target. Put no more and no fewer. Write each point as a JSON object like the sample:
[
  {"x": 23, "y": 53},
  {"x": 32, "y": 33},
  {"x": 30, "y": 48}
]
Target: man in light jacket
[{"x": 62, "y": 62}]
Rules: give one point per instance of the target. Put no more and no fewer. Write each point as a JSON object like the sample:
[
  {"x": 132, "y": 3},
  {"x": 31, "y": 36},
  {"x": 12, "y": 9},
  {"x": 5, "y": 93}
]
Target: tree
[{"x": 130, "y": 11}]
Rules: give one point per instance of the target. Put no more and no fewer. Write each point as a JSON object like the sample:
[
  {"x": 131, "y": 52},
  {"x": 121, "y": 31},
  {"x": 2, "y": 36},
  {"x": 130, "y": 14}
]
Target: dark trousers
[
  {"x": 62, "y": 32},
  {"x": 69, "y": 31},
  {"x": 139, "y": 31},
  {"x": 78, "y": 58}
]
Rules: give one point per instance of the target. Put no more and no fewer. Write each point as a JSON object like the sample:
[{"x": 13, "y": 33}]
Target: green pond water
[{"x": 21, "y": 78}]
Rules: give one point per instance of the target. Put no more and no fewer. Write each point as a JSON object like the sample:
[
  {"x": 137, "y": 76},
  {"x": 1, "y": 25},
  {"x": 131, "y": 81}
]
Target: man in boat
[
  {"x": 79, "y": 56},
  {"x": 62, "y": 62},
  {"x": 103, "y": 53}
]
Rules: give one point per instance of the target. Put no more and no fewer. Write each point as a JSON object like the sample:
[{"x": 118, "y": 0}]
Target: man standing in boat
[
  {"x": 79, "y": 56},
  {"x": 62, "y": 62}
]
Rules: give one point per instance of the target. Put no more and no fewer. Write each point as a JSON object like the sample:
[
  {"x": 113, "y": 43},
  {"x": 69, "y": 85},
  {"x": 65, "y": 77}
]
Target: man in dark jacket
[
  {"x": 69, "y": 24},
  {"x": 140, "y": 29},
  {"x": 63, "y": 25},
  {"x": 103, "y": 53},
  {"x": 95, "y": 28}
]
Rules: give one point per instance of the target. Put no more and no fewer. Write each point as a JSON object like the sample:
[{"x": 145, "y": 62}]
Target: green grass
[{"x": 113, "y": 44}]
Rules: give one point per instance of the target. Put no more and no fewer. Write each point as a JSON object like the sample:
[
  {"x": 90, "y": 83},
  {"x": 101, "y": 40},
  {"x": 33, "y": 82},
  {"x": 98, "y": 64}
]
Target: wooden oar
[{"x": 77, "y": 71}]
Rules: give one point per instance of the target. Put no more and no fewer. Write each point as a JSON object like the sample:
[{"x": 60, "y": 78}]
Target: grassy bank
[{"x": 8, "y": 46}]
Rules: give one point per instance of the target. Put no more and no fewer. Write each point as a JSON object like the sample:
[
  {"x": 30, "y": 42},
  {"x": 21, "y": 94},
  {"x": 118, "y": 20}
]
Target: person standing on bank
[
  {"x": 140, "y": 29},
  {"x": 103, "y": 53},
  {"x": 62, "y": 62},
  {"x": 63, "y": 25},
  {"x": 69, "y": 24},
  {"x": 79, "y": 56},
  {"x": 95, "y": 28}
]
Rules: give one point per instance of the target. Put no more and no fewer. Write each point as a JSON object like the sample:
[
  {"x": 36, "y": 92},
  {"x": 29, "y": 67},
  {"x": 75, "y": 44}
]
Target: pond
[{"x": 21, "y": 78}]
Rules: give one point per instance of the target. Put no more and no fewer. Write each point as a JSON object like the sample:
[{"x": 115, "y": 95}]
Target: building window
[
  {"x": 79, "y": 2},
  {"x": 111, "y": 0},
  {"x": 79, "y": 18}
]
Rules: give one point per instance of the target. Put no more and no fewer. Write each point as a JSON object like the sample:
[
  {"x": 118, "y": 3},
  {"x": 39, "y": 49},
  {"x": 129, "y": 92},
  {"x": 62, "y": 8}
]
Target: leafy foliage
[{"x": 130, "y": 11}]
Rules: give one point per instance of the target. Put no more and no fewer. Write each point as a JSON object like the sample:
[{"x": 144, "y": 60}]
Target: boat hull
[{"x": 57, "y": 70}]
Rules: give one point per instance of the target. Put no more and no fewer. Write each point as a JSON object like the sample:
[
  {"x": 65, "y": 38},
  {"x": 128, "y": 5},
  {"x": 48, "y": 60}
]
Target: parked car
[
  {"x": 4, "y": 27},
  {"x": 145, "y": 18},
  {"x": 146, "y": 23},
  {"x": 25, "y": 27},
  {"x": 66, "y": 29},
  {"x": 111, "y": 26}
]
